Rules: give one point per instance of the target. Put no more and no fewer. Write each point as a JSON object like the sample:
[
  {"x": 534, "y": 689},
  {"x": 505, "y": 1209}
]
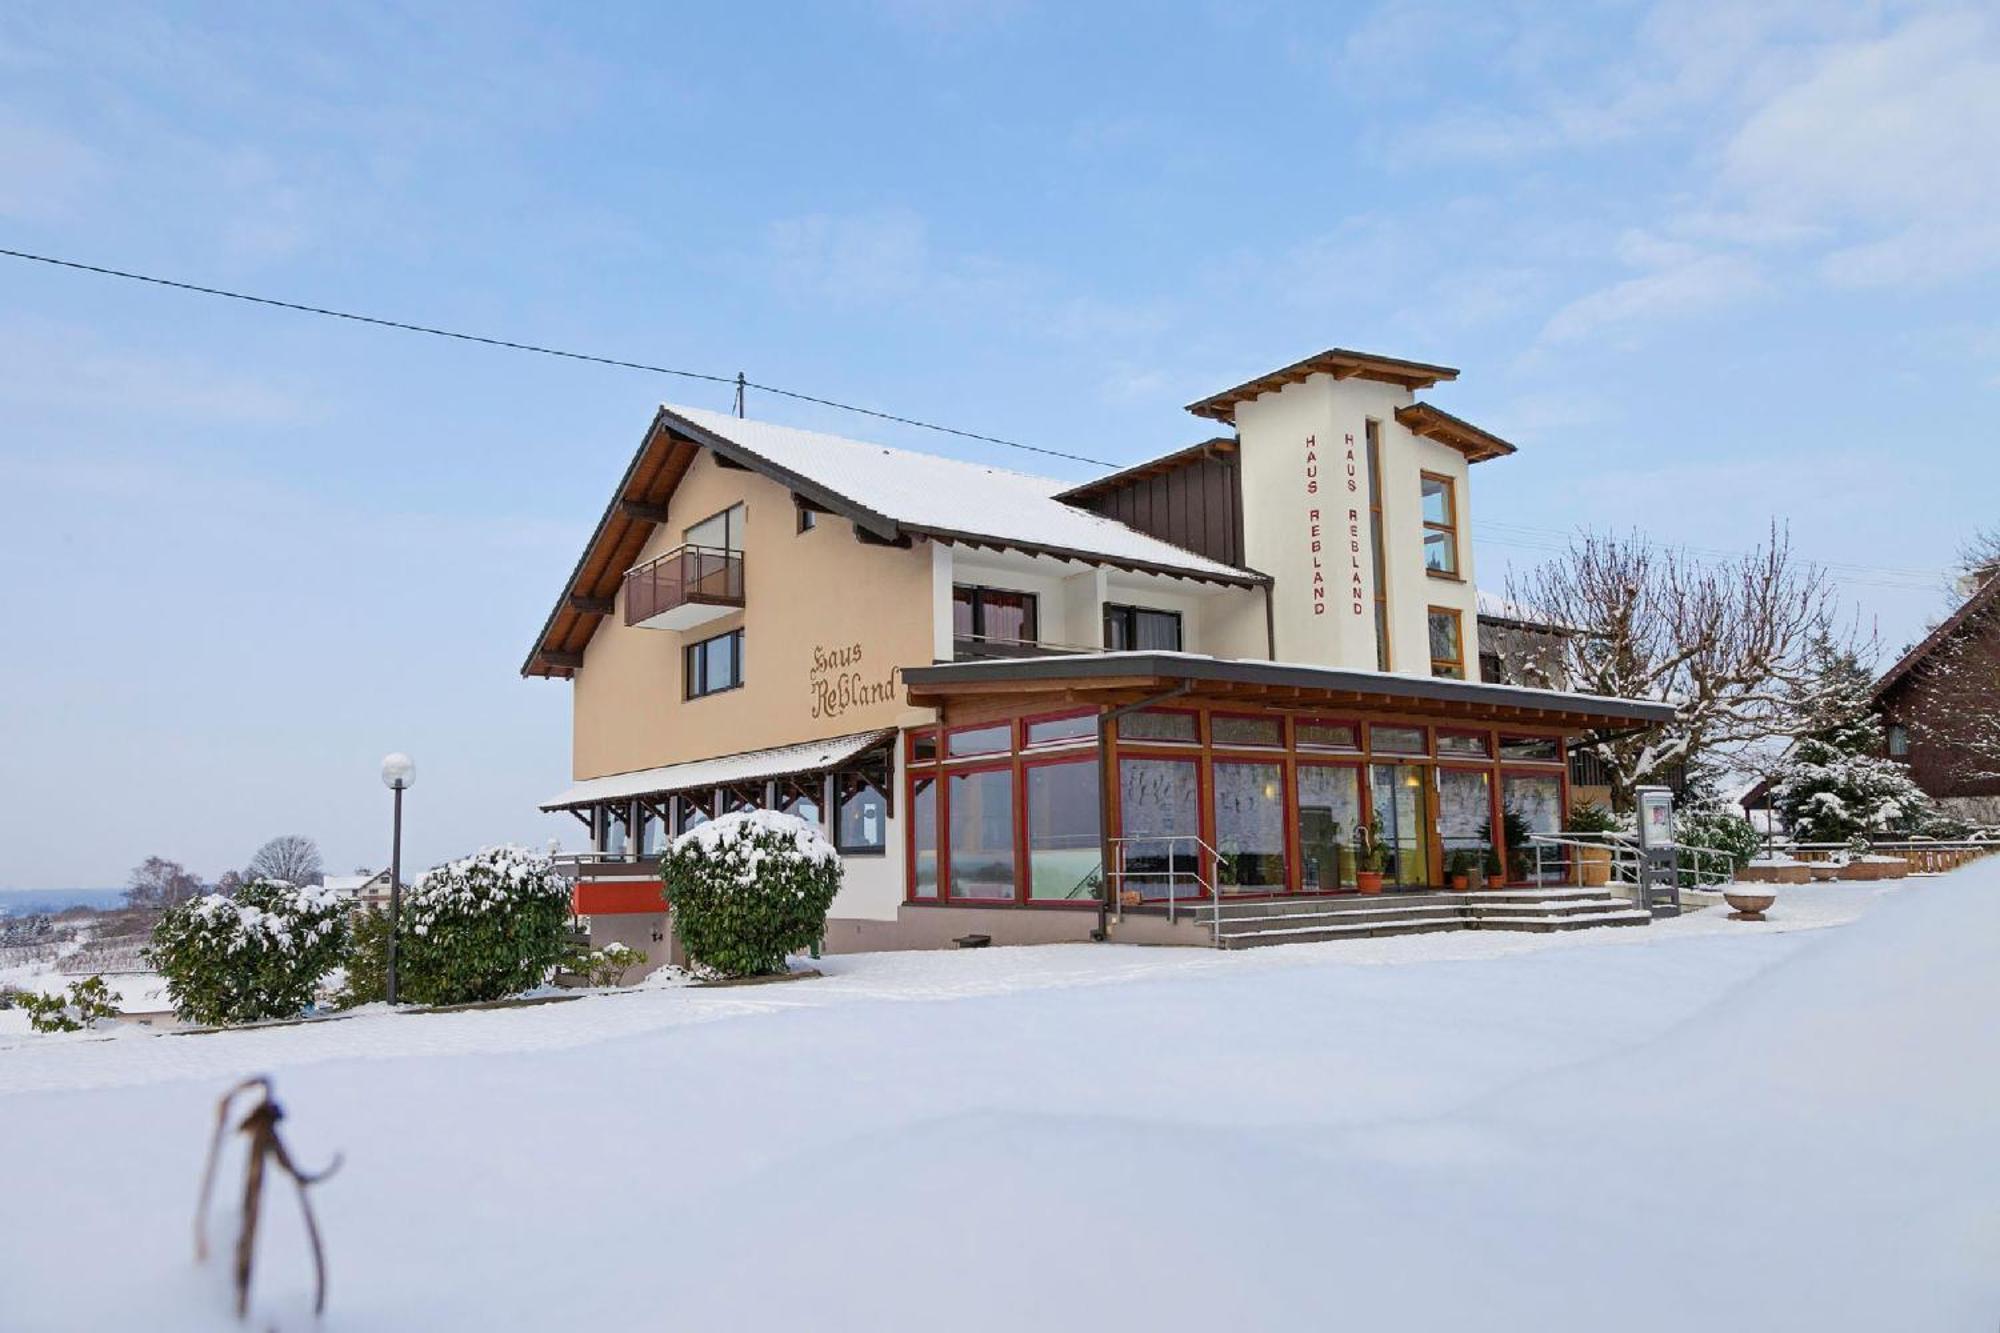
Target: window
[
  {"x": 1464, "y": 744},
  {"x": 1137, "y": 629},
  {"x": 993, "y": 615},
  {"x": 1059, "y": 730},
  {"x": 611, "y": 828},
  {"x": 1249, "y": 826},
  {"x": 924, "y": 836},
  {"x": 1398, "y": 740},
  {"x": 864, "y": 814},
  {"x": 1375, "y": 545},
  {"x": 800, "y": 797},
  {"x": 1899, "y": 740},
  {"x": 1158, "y": 726},
  {"x": 1316, "y": 735},
  {"x": 923, "y": 747},
  {"x": 1533, "y": 802},
  {"x": 981, "y": 816},
  {"x": 1465, "y": 812},
  {"x": 1531, "y": 749},
  {"x": 1440, "y": 525},
  {"x": 1329, "y": 813},
  {"x": 691, "y": 811},
  {"x": 719, "y": 532},
  {"x": 979, "y": 740},
  {"x": 1447, "y": 644},
  {"x": 808, "y": 519},
  {"x": 1160, "y": 851},
  {"x": 714, "y": 665},
  {"x": 1063, "y": 848},
  {"x": 652, "y": 831},
  {"x": 1227, "y": 729}
]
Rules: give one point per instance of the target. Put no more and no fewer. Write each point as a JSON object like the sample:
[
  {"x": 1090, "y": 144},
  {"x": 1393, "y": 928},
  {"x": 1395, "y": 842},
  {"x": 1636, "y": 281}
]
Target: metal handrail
[
  {"x": 686, "y": 573},
  {"x": 1205, "y": 855}
]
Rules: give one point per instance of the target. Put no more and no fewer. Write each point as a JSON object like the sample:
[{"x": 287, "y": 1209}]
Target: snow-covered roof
[
  {"x": 352, "y": 883},
  {"x": 749, "y": 766},
  {"x": 952, "y": 498}
]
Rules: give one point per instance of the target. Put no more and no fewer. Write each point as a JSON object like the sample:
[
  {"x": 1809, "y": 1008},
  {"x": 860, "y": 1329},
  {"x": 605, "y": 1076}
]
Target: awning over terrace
[
  {"x": 1122, "y": 677},
  {"x": 750, "y": 766}
]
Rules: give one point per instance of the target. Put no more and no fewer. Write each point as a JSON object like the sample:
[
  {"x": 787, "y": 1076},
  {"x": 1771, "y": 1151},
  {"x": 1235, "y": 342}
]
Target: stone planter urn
[
  {"x": 1750, "y": 904},
  {"x": 1368, "y": 881}
]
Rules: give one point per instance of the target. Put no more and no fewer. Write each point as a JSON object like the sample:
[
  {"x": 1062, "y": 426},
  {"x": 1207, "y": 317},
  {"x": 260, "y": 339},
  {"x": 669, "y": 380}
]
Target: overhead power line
[
  {"x": 542, "y": 350},
  {"x": 1519, "y": 535}
]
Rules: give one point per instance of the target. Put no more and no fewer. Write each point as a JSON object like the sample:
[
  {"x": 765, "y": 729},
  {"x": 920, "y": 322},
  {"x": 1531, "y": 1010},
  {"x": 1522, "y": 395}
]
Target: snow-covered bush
[
  {"x": 88, "y": 1002},
  {"x": 365, "y": 971},
  {"x": 255, "y": 956},
  {"x": 749, "y": 888},
  {"x": 607, "y": 966},
  {"x": 1720, "y": 831},
  {"x": 490, "y": 925}
]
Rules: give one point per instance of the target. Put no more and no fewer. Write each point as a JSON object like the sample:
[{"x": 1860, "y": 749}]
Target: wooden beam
[
  {"x": 557, "y": 657},
  {"x": 592, "y": 606},
  {"x": 867, "y": 538},
  {"x": 642, "y": 511}
]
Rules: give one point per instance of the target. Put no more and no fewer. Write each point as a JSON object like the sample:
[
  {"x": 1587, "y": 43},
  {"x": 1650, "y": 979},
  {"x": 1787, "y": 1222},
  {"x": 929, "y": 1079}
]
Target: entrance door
[{"x": 1402, "y": 803}]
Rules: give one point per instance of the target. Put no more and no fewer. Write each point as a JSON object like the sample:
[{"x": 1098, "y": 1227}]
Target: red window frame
[
  {"x": 1006, "y": 765},
  {"x": 1427, "y": 752},
  {"x": 1282, "y": 743},
  {"x": 935, "y": 776},
  {"x": 1028, "y": 742},
  {"x": 1314, "y": 747},
  {"x": 1200, "y": 732},
  {"x": 1025, "y": 880},
  {"x": 1485, "y": 735},
  {"x": 1530, "y": 770},
  {"x": 1004, "y": 724},
  {"x": 1255, "y": 758},
  {"x": 1359, "y": 768},
  {"x": 1502, "y": 737},
  {"x": 910, "y": 738},
  {"x": 1202, "y": 813}
]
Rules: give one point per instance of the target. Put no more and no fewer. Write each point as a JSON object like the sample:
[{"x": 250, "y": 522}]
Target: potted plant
[
  {"x": 1496, "y": 871},
  {"x": 1593, "y": 820},
  {"x": 1461, "y": 870},
  {"x": 1370, "y": 856}
]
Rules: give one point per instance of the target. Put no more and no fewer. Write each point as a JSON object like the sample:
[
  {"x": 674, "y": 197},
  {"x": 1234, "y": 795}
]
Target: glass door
[{"x": 1402, "y": 804}]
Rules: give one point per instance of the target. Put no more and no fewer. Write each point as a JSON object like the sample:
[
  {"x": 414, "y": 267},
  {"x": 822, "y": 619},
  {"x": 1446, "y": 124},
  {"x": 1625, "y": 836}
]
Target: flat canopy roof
[
  {"x": 1339, "y": 362},
  {"x": 781, "y": 761},
  {"x": 1277, "y": 682}
]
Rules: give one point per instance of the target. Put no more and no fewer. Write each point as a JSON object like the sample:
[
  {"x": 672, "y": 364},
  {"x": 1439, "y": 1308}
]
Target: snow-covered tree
[
  {"x": 1727, "y": 643},
  {"x": 258, "y": 955},
  {"x": 1835, "y": 783}
]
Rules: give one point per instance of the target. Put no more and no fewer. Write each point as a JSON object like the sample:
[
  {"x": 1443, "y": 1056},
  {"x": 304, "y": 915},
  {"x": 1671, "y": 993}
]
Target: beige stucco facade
[
  {"x": 1306, "y": 523},
  {"x": 827, "y": 620}
]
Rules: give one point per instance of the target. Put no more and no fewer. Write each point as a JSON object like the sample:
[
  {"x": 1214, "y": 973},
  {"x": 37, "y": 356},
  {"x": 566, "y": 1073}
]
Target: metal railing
[
  {"x": 1179, "y": 883},
  {"x": 1694, "y": 867},
  {"x": 706, "y": 574}
]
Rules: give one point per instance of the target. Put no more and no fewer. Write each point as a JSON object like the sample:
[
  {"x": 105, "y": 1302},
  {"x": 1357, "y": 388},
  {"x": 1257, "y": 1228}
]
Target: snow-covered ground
[{"x": 1703, "y": 1123}]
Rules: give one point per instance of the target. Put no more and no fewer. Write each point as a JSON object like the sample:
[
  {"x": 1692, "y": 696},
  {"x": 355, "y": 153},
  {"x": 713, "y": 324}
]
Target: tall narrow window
[
  {"x": 1899, "y": 740},
  {"x": 1440, "y": 525},
  {"x": 1447, "y": 644},
  {"x": 1376, "y": 545},
  {"x": 713, "y": 664}
]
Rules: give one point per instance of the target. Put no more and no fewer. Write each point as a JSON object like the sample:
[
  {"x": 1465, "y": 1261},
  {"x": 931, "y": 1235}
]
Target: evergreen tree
[{"x": 1836, "y": 783}]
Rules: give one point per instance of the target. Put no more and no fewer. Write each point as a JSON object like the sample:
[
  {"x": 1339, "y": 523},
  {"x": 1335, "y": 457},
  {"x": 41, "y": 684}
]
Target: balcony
[{"x": 688, "y": 586}]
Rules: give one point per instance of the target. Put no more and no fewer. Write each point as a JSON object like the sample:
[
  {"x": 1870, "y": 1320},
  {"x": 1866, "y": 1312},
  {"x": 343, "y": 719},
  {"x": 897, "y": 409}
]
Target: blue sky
[{"x": 1708, "y": 265}]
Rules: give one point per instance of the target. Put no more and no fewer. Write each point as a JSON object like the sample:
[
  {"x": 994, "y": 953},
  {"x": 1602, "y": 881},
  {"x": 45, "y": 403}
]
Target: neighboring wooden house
[{"x": 1940, "y": 706}]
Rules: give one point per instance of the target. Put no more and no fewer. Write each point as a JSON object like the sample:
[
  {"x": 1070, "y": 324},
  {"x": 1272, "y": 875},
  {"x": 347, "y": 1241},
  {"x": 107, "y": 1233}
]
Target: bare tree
[
  {"x": 1729, "y": 644},
  {"x": 291, "y": 857},
  {"x": 159, "y": 883},
  {"x": 1979, "y": 554}
]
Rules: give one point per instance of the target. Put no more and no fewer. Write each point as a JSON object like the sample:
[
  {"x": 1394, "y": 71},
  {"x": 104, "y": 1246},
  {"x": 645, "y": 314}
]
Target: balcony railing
[{"x": 685, "y": 587}]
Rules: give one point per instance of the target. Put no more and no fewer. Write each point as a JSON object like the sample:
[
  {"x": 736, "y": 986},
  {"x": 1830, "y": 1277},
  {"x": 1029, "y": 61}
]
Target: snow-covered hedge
[
  {"x": 87, "y": 1004},
  {"x": 490, "y": 925},
  {"x": 257, "y": 955},
  {"x": 749, "y": 888}
]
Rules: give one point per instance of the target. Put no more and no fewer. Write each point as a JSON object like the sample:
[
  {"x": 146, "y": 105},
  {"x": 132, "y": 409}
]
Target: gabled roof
[
  {"x": 890, "y": 494},
  {"x": 1339, "y": 362},
  {"x": 1984, "y": 596},
  {"x": 1434, "y": 423},
  {"x": 1220, "y": 446}
]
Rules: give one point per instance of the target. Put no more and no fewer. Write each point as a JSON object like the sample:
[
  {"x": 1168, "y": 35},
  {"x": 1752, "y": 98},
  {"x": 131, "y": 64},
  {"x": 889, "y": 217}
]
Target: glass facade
[
  {"x": 924, "y": 836},
  {"x": 1465, "y": 814},
  {"x": 1250, "y": 826},
  {"x": 1329, "y": 811},
  {"x": 1063, "y": 847},
  {"x": 1400, "y": 797},
  {"x": 981, "y": 807},
  {"x": 1161, "y": 802}
]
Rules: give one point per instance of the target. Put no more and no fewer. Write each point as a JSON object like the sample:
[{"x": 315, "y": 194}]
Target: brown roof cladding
[
  {"x": 1434, "y": 423},
  {"x": 1339, "y": 362},
  {"x": 1985, "y": 595}
]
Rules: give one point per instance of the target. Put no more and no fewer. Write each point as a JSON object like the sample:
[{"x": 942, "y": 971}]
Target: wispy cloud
[{"x": 1687, "y": 286}]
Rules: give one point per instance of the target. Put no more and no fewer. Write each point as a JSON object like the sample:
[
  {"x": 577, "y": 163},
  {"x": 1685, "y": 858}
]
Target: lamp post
[{"x": 399, "y": 774}]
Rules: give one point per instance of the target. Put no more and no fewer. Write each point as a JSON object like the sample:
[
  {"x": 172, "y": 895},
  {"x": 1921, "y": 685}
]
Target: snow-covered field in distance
[{"x": 1702, "y": 1123}]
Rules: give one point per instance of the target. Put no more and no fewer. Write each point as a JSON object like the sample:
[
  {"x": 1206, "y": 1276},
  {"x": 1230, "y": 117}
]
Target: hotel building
[{"x": 1038, "y": 710}]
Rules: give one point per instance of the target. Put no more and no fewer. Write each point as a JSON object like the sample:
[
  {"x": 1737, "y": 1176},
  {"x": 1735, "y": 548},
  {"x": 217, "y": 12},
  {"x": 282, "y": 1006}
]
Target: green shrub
[
  {"x": 749, "y": 888},
  {"x": 607, "y": 966},
  {"x": 1717, "y": 831},
  {"x": 491, "y": 925},
  {"x": 88, "y": 1002},
  {"x": 258, "y": 955},
  {"x": 367, "y": 961},
  {"x": 1590, "y": 817}
]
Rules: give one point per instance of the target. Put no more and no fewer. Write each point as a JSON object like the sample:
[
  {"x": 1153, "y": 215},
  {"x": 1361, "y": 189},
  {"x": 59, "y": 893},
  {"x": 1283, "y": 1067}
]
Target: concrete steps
[{"x": 1249, "y": 925}]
